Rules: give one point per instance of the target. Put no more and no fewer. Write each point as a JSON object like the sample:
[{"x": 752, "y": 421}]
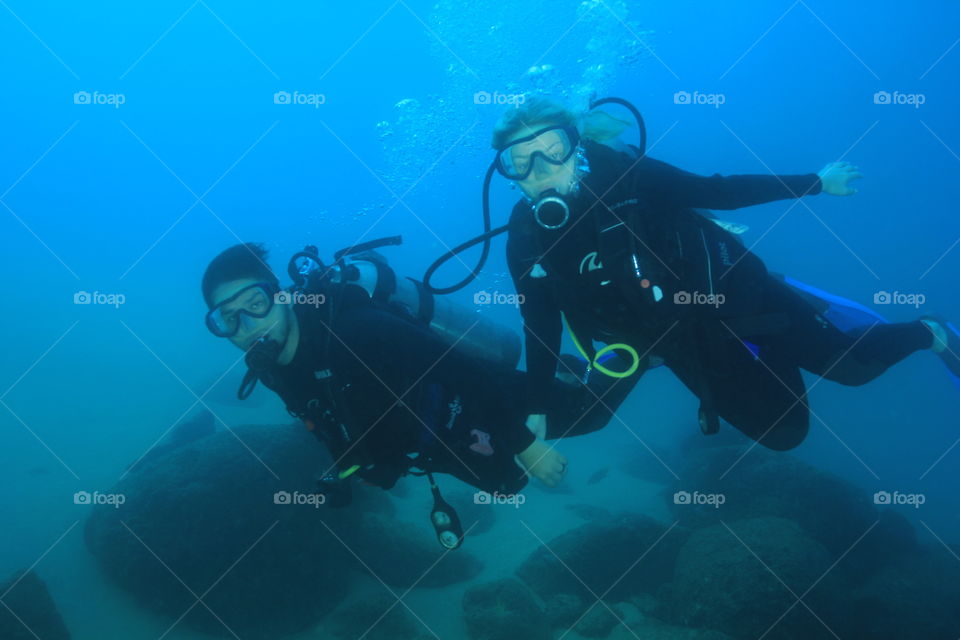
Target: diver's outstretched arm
[{"x": 667, "y": 187}]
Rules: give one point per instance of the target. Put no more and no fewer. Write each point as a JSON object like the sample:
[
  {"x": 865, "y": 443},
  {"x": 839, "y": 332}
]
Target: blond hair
[
  {"x": 535, "y": 112},
  {"x": 539, "y": 111}
]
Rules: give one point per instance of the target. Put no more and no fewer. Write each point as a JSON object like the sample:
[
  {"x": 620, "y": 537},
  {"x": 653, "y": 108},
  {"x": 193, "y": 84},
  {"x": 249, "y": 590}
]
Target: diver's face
[
  {"x": 544, "y": 175},
  {"x": 275, "y": 325}
]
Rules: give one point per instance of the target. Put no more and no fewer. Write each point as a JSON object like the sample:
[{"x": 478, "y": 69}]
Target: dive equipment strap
[{"x": 427, "y": 304}]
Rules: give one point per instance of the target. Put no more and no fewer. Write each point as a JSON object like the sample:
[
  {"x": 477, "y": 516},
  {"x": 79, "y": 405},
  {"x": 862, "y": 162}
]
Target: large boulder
[
  {"x": 631, "y": 620},
  {"x": 404, "y": 555},
  {"x": 891, "y": 538},
  {"x": 613, "y": 559},
  {"x": 654, "y": 629},
  {"x": 759, "y": 482},
  {"x": 202, "y": 522},
  {"x": 916, "y": 597},
  {"x": 740, "y": 578},
  {"x": 504, "y": 610},
  {"x": 599, "y": 621},
  {"x": 231, "y": 518},
  {"x": 376, "y": 618},
  {"x": 29, "y": 612}
]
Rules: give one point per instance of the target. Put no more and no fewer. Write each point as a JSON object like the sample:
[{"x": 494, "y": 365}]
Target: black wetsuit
[
  {"x": 402, "y": 392},
  {"x": 637, "y": 264}
]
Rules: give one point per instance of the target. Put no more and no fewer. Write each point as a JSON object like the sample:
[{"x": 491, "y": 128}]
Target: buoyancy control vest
[
  {"x": 623, "y": 270},
  {"x": 669, "y": 283}
]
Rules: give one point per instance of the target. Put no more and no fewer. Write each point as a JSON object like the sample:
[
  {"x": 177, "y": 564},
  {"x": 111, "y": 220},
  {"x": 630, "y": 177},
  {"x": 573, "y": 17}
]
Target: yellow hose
[
  {"x": 343, "y": 475},
  {"x": 635, "y": 358}
]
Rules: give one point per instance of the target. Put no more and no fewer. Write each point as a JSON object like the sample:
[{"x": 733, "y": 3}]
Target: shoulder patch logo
[{"x": 591, "y": 261}]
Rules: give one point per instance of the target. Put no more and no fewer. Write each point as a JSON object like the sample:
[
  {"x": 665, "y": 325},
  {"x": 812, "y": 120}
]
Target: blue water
[{"x": 134, "y": 199}]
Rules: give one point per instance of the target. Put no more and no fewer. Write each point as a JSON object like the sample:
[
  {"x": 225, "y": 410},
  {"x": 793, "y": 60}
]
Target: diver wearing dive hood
[
  {"x": 375, "y": 381},
  {"x": 623, "y": 255}
]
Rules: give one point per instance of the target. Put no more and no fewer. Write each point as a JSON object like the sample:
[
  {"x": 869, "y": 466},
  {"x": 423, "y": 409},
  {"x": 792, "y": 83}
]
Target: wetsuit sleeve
[
  {"x": 542, "y": 326},
  {"x": 667, "y": 186},
  {"x": 580, "y": 409}
]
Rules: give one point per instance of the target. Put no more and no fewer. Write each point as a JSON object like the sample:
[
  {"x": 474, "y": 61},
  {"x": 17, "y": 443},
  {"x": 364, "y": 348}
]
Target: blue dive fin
[{"x": 846, "y": 315}]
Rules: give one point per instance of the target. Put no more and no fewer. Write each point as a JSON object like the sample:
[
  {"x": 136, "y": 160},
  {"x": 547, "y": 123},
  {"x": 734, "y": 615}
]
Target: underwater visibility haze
[{"x": 700, "y": 378}]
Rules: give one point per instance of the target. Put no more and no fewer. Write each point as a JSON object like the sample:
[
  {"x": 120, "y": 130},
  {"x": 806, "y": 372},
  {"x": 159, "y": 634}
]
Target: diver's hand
[
  {"x": 543, "y": 462},
  {"x": 537, "y": 423},
  {"x": 835, "y": 178}
]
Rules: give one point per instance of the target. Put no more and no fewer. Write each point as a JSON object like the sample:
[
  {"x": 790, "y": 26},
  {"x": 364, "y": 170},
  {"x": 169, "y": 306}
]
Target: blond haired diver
[{"x": 610, "y": 243}]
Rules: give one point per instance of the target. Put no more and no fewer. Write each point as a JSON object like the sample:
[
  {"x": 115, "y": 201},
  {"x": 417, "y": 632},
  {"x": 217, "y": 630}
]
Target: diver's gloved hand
[
  {"x": 537, "y": 423},
  {"x": 835, "y": 178},
  {"x": 543, "y": 462}
]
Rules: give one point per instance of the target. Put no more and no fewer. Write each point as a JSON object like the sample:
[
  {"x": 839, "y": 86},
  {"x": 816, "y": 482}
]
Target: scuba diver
[
  {"x": 608, "y": 242},
  {"x": 390, "y": 379}
]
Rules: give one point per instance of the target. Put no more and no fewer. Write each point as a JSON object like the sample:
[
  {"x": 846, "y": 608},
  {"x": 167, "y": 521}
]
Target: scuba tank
[
  {"x": 473, "y": 334},
  {"x": 454, "y": 324}
]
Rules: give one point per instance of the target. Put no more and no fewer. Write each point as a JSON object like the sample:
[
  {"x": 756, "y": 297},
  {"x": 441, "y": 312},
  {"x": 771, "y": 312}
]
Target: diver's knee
[
  {"x": 851, "y": 373},
  {"x": 785, "y": 442},
  {"x": 785, "y": 437}
]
